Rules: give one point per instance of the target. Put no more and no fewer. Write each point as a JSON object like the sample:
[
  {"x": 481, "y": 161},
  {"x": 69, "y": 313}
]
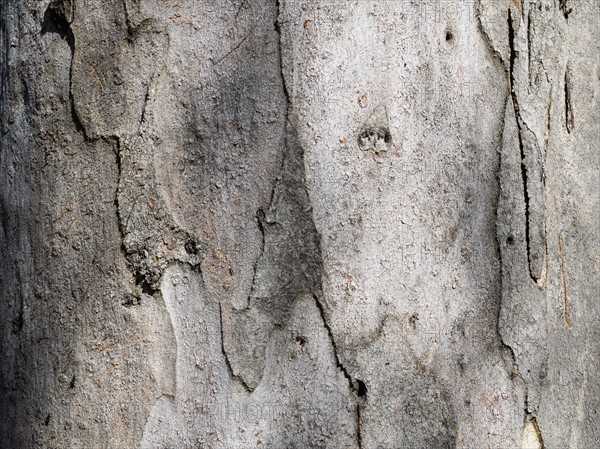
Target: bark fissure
[
  {"x": 515, "y": 368},
  {"x": 529, "y": 48},
  {"x": 127, "y": 18},
  {"x": 564, "y": 7},
  {"x": 548, "y": 122},
  {"x": 289, "y": 239},
  {"x": 132, "y": 170},
  {"x": 538, "y": 432},
  {"x": 357, "y": 386},
  {"x": 520, "y": 125},
  {"x": 55, "y": 21},
  {"x": 232, "y": 374},
  {"x": 487, "y": 40},
  {"x": 569, "y": 121}
]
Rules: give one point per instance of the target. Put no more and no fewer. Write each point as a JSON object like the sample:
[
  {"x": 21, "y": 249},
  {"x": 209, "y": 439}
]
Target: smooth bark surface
[{"x": 294, "y": 224}]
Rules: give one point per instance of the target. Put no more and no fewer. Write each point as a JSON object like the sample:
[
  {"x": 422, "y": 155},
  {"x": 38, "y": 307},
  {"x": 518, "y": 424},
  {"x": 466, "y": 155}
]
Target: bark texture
[{"x": 299, "y": 224}]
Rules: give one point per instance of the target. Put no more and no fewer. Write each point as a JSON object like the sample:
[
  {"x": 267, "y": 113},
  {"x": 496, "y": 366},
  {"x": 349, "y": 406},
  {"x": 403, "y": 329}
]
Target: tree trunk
[{"x": 294, "y": 224}]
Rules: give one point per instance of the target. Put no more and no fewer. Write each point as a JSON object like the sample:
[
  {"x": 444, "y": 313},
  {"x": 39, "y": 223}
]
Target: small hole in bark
[
  {"x": 55, "y": 22},
  {"x": 449, "y": 36},
  {"x": 510, "y": 240},
  {"x": 47, "y": 420},
  {"x": 17, "y": 324},
  {"x": 302, "y": 340},
  {"x": 72, "y": 383},
  {"x": 362, "y": 389},
  {"x": 141, "y": 282},
  {"x": 191, "y": 248},
  {"x": 131, "y": 300},
  {"x": 377, "y": 140},
  {"x": 413, "y": 320}
]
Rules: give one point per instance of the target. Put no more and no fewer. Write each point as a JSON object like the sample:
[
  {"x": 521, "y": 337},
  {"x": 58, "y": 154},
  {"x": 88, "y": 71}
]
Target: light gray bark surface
[{"x": 294, "y": 224}]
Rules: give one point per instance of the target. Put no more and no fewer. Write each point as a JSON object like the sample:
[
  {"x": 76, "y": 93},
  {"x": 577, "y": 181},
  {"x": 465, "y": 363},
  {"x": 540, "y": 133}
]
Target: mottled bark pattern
[{"x": 299, "y": 224}]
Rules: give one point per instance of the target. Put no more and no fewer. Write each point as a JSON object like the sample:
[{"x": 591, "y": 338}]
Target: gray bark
[{"x": 359, "y": 224}]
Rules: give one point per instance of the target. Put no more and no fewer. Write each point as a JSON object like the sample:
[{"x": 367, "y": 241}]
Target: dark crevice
[
  {"x": 116, "y": 201},
  {"x": 301, "y": 340},
  {"x": 362, "y": 389},
  {"x": 260, "y": 213},
  {"x": 529, "y": 47},
  {"x": 55, "y": 22},
  {"x": 565, "y": 9},
  {"x": 569, "y": 120},
  {"x": 147, "y": 96},
  {"x": 130, "y": 30},
  {"x": 538, "y": 431},
  {"x": 144, "y": 285},
  {"x": 486, "y": 37},
  {"x": 191, "y": 247},
  {"x": 140, "y": 279},
  {"x": 278, "y": 30},
  {"x": 260, "y": 217},
  {"x": 357, "y": 386},
  {"x": 359, "y": 427},
  {"x": 341, "y": 367},
  {"x": 226, "y": 357},
  {"x": 17, "y": 323},
  {"x": 519, "y": 120},
  {"x": 120, "y": 224}
]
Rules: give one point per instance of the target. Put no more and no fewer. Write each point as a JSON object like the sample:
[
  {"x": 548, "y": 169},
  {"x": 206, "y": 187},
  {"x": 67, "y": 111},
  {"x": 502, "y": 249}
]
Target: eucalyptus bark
[{"x": 294, "y": 224}]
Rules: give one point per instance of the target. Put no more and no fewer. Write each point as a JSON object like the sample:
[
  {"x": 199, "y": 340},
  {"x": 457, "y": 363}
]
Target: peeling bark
[{"x": 299, "y": 224}]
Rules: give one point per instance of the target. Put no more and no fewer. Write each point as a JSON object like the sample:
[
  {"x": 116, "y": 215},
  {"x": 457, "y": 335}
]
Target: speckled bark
[{"x": 294, "y": 224}]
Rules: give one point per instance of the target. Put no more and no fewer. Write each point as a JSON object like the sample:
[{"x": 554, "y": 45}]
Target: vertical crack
[
  {"x": 357, "y": 387},
  {"x": 529, "y": 48},
  {"x": 278, "y": 30},
  {"x": 359, "y": 427},
  {"x": 538, "y": 431},
  {"x": 524, "y": 171},
  {"x": 569, "y": 120},
  {"x": 226, "y": 357},
  {"x": 548, "y": 121},
  {"x": 340, "y": 366},
  {"x": 56, "y": 21}
]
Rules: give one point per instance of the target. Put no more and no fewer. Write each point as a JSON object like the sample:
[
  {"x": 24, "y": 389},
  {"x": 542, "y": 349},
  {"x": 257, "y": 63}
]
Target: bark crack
[
  {"x": 548, "y": 121},
  {"x": 487, "y": 39},
  {"x": 234, "y": 48},
  {"x": 357, "y": 386},
  {"x": 226, "y": 356},
  {"x": 520, "y": 125},
  {"x": 565, "y": 9},
  {"x": 58, "y": 19},
  {"x": 569, "y": 120}
]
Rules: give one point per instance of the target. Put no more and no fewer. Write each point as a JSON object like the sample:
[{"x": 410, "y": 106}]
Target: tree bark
[{"x": 364, "y": 224}]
